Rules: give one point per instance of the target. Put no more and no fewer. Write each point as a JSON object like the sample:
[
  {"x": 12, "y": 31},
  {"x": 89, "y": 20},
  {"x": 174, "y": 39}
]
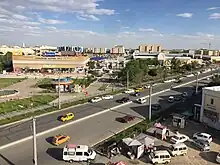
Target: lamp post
[
  {"x": 197, "y": 82},
  {"x": 34, "y": 142},
  {"x": 150, "y": 93},
  {"x": 59, "y": 104}
]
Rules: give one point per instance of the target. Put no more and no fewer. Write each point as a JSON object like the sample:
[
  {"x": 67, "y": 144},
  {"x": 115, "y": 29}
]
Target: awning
[
  {"x": 131, "y": 142},
  {"x": 120, "y": 163}
]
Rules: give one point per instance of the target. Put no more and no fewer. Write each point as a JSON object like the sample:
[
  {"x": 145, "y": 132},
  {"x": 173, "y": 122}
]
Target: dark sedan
[
  {"x": 156, "y": 107},
  {"x": 123, "y": 100},
  {"x": 125, "y": 119}
]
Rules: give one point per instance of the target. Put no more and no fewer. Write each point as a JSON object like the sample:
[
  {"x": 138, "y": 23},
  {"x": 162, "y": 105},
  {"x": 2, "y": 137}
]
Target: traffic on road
[{"x": 96, "y": 128}]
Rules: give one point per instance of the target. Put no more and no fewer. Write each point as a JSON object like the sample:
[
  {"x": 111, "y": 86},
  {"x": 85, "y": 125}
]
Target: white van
[
  {"x": 178, "y": 149},
  {"x": 142, "y": 100},
  {"x": 161, "y": 156},
  {"x": 72, "y": 152}
]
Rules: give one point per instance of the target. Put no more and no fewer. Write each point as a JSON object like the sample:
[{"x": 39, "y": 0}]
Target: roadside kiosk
[{"x": 179, "y": 120}]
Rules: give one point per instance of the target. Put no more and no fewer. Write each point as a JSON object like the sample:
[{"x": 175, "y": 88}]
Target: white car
[
  {"x": 179, "y": 138},
  {"x": 96, "y": 99},
  {"x": 218, "y": 158},
  {"x": 129, "y": 91},
  {"x": 171, "y": 99},
  {"x": 203, "y": 136},
  {"x": 107, "y": 97}
]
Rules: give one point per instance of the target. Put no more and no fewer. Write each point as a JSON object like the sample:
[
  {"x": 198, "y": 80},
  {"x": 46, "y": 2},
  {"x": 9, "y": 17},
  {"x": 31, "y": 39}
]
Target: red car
[{"x": 126, "y": 119}]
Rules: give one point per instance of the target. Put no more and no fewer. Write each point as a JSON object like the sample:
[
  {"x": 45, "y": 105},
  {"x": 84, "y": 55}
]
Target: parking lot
[{"x": 194, "y": 155}]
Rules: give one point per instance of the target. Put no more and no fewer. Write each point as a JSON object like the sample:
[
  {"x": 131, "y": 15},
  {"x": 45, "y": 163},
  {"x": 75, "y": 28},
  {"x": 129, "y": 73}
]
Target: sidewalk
[{"x": 65, "y": 98}]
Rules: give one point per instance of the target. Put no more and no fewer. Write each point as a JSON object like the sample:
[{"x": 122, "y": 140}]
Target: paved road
[
  {"x": 87, "y": 132},
  {"x": 18, "y": 131}
]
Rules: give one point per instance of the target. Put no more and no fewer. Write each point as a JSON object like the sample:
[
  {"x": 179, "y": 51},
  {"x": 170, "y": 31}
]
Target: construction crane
[{"x": 209, "y": 44}]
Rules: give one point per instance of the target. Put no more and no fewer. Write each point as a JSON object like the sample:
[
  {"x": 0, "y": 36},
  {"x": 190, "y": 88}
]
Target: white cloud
[
  {"x": 146, "y": 30},
  {"x": 128, "y": 10},
  {"x": 21, "y": 17},
  {"x": 51, "y": 28},
  {"x": 51, "y": 21},
  {"x": 213, "y": 8},
  {"x": 19, "y": 7},
  {"x": 100, "y": 11},
  {"x": 214, "y": 16},
  {"x": 31, "y": 27},
  {"x": 86, "y": 17},
  {"x": 118, "y": 20},
  {"x": 185, "y": 15}
]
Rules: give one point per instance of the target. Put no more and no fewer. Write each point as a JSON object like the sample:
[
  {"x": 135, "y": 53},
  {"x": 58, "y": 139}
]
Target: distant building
[
  {"x": 99, "y": 50},
  {"x": 70, "y": 50},
  {"x": 150, "y": 48},
  {"x": 118, "y": 50},
  {"x": 210, "y": 108},
  {"x": 16, "y": 50}
]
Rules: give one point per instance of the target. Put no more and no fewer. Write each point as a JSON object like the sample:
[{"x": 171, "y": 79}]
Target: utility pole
[
  {"x": 197, "y": 82},
  {"x": 59, "y": 105},
  {"x": 34, "y": 142},
  {"x": 150, "y": 93},
  {"x": 127, "y": 79}
]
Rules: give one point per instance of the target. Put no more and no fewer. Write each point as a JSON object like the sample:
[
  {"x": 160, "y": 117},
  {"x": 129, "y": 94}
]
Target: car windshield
[{"x": 90, "y": 151}]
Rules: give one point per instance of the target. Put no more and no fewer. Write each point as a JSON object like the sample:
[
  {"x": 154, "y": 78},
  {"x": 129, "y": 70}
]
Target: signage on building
[
  {"x": 17, "y": 53},
  {"x": 49, "y": 66},
  {"x": 49, "y": 54}
]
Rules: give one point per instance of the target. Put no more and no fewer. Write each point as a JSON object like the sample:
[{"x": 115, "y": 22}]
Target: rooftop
[{"x": 214, "y": 88}]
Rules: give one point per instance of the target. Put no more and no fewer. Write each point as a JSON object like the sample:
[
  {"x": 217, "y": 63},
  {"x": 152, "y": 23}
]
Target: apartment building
[
  {"x": 118, "y": 50},
  {"x": 210, "y": 108},
  {"x": 99, "y": 50},
  {"x": 150, "y": 48}
]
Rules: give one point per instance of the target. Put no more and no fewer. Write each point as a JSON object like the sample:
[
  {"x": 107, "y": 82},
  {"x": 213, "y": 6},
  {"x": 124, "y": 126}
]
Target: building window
[{"x": 212, "y": 101}]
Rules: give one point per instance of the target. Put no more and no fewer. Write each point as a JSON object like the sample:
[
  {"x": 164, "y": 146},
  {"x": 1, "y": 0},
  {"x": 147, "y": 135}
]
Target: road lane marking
[{"x": 90, "y": 116}]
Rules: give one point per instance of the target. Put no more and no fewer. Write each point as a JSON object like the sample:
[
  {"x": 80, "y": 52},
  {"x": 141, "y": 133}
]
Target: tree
[
  {"x": 152, "y": 73},
  {"x": 175, "y": 65},
  {"x": 91, "y": 64}
]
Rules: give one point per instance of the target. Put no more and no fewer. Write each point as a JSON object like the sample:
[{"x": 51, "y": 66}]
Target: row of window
[{"x": 77, "y": 153}]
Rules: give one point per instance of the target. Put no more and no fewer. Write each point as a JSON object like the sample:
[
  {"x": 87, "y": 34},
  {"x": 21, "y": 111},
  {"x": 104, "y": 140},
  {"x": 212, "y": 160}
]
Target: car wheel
[
  {"x": 71, "y": 161},
  {"x": 156, "y": 163},
  {"x": 175, "y": 155},
  {"x": 166, "y": 162}
]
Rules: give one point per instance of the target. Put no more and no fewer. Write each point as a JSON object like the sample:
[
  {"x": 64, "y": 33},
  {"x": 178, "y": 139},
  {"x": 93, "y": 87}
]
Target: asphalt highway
[
  {"x": 18, "y": 131},
  {"x": 87, "y": 132}
]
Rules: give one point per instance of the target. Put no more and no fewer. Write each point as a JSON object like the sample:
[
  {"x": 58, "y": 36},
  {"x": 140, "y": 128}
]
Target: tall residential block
[{"x": 150, "y": 48}]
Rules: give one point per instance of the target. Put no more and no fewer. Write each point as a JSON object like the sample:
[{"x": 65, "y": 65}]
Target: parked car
[
  {"x": 107, "y": 97},
  {"x": 129, "y": 91},
  {"x": 218, "y": 158},
  {"x": 96, "y": 99},
  {"x": 171, "y": 99},
  {"x": 147, "y": 86},
  {"x": 179, "y": 138},
  {"x": 156, "y": 107},
  {"x": 185, "y": 94},
  {"x": 203, "y": 136},
  {"x": 123, "y": 100},
  {"x": 126, "y": 119},
  {"x": 202, "y": 145}
]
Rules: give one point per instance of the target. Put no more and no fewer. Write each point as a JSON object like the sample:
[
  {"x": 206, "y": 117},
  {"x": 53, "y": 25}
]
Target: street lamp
[
  {"x": 150, "y": 93},
  {"x": 197, "y": 82},
  {"x": 34, "y": 141}
]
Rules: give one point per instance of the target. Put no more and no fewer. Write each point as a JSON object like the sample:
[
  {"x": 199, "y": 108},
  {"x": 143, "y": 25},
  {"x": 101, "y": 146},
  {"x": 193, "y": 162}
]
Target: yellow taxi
[
  {"x": 139, "y": 89},
  {"x": 67, "y": 117},
  {"x": 60, "y": 139}
]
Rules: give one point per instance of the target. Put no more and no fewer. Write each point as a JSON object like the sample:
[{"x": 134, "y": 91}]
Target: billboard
[{"x": 49, "y": 54}]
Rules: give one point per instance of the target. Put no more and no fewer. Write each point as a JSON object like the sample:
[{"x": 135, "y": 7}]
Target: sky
[{"x": 106, "y": 23}]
